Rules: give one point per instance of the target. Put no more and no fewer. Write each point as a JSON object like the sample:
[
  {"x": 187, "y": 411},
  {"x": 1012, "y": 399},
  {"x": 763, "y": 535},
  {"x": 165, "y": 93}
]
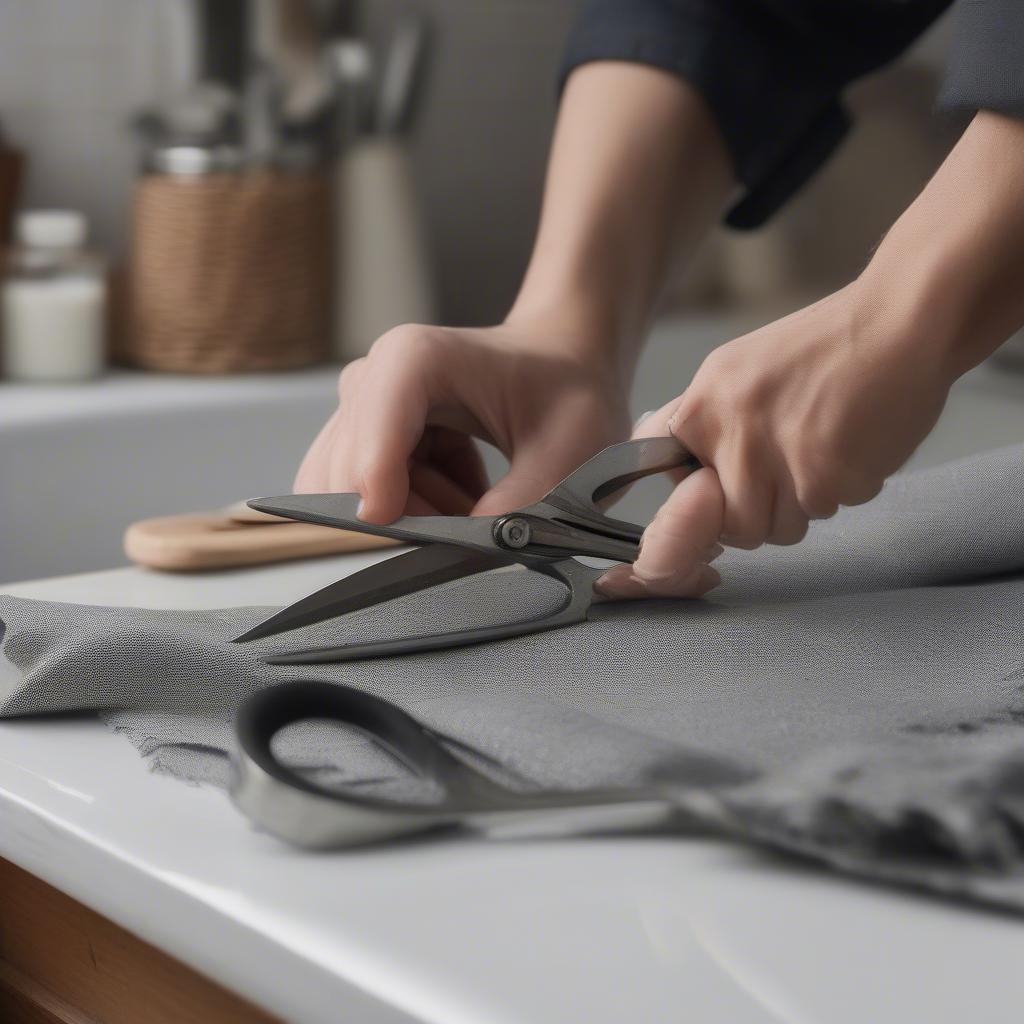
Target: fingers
[
  {"x": 367, "y": 443},
  {"x": 677, "y": 546},
  {"x": 654, "y": 423},
  {"x": 534, "y": 471},
  {"x": 789, "y": 522},
  {"x": 389, "y": 429},
  {"x": 760, "y": 505},
  {"x": 313, "y": 472},
  {"x": 457, "y": 457},
  {"x": 748, "y": 497},
  {"x": 620, "y": 584},
  {"x": 326, "y": 466},
  {"x": 435, "y": 493}
]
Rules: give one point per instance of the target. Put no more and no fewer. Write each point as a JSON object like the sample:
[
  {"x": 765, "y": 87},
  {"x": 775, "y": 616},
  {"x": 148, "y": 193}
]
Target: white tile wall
[{"x": 72, "y": 73}]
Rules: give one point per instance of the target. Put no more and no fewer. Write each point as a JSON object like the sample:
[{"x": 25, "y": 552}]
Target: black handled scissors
[
  {"x": 294, "y": 808},
  {"x": 543, "y": 537}
]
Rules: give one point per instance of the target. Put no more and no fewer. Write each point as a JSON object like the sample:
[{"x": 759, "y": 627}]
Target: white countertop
[
  {"x": 637, "y": 929},
  {"x": 473, "y": 931}
]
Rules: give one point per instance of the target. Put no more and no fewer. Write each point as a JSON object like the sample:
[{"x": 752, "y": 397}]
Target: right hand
[
  {"x": 402, "y": 436},
  {"x": 790, "y": 422}
]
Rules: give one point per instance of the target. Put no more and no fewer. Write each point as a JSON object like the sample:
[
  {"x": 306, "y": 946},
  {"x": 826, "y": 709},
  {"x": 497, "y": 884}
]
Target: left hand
[{"x": 790, "y": 422}]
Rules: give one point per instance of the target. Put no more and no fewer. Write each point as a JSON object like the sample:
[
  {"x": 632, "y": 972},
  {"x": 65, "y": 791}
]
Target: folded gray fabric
[{"x": 858, "y": 698}]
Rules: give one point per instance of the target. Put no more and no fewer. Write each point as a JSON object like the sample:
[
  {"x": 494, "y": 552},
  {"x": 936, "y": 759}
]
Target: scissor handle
[
  {"x": 295, "y": 808},
  {"x": 618, "y": 465}
]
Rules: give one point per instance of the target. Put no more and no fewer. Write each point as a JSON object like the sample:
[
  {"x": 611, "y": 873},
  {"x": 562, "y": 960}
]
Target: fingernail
[
  {"x": 643, "y": 416},
  {"x": 360, "y": 508},
  {"x": 605, "y": 585},
  {"x": 616, "y": 583}
]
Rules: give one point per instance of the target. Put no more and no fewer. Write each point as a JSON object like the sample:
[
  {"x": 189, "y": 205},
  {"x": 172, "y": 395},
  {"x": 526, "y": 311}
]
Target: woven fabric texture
[{"x": 858, "y": 698}]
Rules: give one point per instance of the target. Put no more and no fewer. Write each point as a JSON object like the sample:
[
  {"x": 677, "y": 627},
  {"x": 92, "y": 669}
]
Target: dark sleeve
[
  {"x": 771, "y": 71},
  {"x": 986, "y": 61}
]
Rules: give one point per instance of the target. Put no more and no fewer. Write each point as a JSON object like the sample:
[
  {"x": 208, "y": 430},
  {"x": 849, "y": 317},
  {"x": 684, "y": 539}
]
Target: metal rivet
[{"x": 514, "y": 532}]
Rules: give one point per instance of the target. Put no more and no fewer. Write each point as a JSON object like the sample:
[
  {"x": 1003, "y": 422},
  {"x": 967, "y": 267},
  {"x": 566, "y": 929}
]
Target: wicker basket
[{"x": 229, "y": 271}]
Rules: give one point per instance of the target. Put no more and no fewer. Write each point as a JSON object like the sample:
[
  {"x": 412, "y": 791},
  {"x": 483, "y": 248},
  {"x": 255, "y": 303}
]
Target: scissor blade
[
  {"x": 340, "y": 510},
  {"x": 395, "y": 577}
]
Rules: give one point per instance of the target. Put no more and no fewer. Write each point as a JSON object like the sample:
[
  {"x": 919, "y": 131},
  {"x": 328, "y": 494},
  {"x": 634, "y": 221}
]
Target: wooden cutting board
[{"x": 233, "y": 537}]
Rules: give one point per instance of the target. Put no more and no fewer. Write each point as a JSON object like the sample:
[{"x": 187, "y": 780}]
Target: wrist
[
  {"x": 920, "y": 290},
  {"x": 577, "y": 327},
  {"x": 951, "y": 265}
]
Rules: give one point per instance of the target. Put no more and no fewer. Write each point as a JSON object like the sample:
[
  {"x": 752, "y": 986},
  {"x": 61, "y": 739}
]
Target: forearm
[
  {"x": 950, "y": 273},
  {"x": 637, "y": 175}
]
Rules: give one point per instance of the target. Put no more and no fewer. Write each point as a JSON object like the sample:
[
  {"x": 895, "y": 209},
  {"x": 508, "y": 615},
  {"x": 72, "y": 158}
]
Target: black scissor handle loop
[
  {"x": 269, "y": 711},
  {"x": 295, "y": 808}
]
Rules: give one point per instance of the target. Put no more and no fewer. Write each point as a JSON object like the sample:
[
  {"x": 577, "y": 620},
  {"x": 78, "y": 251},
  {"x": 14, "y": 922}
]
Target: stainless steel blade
[
  {"x": 404, "y": 574},
  {"x": 577, "y": 578},
  {"x": 340, "y": 511}
]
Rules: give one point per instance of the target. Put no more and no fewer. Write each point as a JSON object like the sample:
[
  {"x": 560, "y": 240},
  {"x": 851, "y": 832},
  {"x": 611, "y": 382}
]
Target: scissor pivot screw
[{"x": 513, "y": 532}]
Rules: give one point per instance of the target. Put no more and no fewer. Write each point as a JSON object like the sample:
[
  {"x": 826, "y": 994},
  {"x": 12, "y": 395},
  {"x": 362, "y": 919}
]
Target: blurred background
[{"x": 207, "y": 205}]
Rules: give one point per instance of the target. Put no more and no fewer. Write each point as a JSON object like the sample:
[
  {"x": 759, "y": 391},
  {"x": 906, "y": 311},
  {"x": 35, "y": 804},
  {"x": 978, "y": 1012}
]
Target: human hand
[
  {"x": 809, "y": 413},
  {"x": 402, "y": 436}
]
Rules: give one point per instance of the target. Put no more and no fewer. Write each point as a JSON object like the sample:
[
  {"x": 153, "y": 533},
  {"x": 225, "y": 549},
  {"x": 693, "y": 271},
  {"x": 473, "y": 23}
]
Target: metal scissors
[
  {"x": 296, "y": 809},
  {"x": 544, "y": 537}
]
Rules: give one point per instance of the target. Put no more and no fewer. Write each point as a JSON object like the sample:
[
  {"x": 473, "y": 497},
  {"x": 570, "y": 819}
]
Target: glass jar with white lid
[{"x": 54, "y": 301}]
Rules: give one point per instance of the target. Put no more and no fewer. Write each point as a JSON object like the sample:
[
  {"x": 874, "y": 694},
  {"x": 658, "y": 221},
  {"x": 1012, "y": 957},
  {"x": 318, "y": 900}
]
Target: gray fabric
[{"x": 858, "y": 698}]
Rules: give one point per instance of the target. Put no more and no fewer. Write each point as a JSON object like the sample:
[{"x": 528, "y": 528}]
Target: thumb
[
  {"x": 677, "y": 547},
  {"x": 532, "y": 474}
]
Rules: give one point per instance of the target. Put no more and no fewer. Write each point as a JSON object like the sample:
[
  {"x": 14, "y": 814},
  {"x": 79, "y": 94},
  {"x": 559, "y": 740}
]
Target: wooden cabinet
[{"x": 62, "y": 963}]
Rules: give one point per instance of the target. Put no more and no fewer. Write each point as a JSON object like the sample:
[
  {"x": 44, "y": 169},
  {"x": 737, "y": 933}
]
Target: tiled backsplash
[{"x": 72, "y": 72}]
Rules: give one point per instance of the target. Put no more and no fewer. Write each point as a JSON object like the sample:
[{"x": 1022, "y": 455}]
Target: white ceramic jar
[{"x": 54, "y": 301}]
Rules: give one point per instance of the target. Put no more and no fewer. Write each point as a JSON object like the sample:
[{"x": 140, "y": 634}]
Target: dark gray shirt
[{"x": 773, "y": 71}]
